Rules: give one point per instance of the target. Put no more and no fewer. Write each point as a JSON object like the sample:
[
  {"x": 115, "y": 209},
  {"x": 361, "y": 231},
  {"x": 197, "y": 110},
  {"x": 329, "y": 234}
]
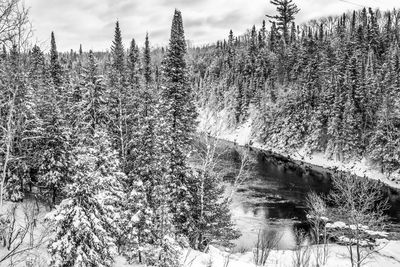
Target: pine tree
[{"x": 286, "y": 12}]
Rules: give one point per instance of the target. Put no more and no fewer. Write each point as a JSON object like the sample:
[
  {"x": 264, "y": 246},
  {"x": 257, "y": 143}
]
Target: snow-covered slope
[{"x": 217, "y": 125}]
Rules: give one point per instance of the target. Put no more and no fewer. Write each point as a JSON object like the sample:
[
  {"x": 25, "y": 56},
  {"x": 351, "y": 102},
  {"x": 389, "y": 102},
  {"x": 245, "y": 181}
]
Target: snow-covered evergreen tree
[
  {"x": 55, "y": 67},
  {"x": 351, "y": 130},
  {"x": 211, "y": 218},
  {"x": 87, "y": 221},
  {"x": 119, "y": 96},
  {"x": 93, "y": 106},
  {"x": 55, "y": 145},
  {"x": 179, "y": 115}
]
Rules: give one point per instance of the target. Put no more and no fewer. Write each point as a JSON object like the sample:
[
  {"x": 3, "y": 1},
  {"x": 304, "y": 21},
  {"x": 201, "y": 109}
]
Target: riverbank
[{"x": 217, "y": 126}]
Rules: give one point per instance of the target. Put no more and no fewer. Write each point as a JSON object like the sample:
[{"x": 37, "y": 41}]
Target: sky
[{"x": 92, "y": 22}]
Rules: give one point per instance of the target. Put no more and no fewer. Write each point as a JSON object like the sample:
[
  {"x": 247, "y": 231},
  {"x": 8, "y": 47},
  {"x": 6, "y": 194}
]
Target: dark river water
[{"x": 273, "y": 197}]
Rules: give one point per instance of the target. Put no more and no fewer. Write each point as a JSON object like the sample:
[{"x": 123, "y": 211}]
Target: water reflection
[{"x": 273, "y": 199}]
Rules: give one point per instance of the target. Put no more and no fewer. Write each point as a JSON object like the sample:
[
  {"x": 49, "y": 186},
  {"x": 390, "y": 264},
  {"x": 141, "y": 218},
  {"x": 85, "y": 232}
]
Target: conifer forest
[{"x": 275, "y": 146}]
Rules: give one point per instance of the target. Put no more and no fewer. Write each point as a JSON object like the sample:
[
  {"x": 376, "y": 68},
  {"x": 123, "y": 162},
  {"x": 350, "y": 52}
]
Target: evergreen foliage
[
  {"x": 85, "y": 221},
  {"x": 179, "y": 115}
]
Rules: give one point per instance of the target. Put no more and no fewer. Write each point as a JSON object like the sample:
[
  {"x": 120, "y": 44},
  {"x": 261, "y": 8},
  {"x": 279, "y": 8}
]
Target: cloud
[
  {"x": 228, "y": 19},
  {"x": 91, "y": 22}
]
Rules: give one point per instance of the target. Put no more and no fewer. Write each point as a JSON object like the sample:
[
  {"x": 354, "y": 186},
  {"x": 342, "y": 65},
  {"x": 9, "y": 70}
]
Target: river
[{"x": 273, "y": 197}]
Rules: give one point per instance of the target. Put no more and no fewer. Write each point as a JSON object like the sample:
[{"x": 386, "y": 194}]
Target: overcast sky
[{"x": 91, "y": 22}]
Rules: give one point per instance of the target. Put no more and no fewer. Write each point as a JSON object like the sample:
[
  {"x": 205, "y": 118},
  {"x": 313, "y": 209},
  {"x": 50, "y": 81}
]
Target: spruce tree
[
  {"x": 133, "y": 65},
  {"x": 210, "y": 211},
  {"x": 86, "y": 221},
  {"x": 118, "y": 99},
  {"x": 143, "y": 167},
  {"x": 351, "y": 130},
  {"x": 273, "y": 38},
  {"x": 37, "y": 64},
  {"x": 384, "y": 146},
  {"x": 231, "y": 50},
  {"x": 117, "y": 51},
  {"x": 94, "y": 105},
  {"x": 54, "y": 157},
  {"x": 179, "y": 115},
  {"x": 147, "y": 75},
  {"x": 54, "y": 150},
  {"x": 55, "y": 67}
]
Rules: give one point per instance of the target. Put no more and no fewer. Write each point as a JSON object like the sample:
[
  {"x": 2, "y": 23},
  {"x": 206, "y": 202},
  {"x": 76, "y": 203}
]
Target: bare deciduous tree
[
  {"x": 361, "y": 205},
  {"x": 15, "y": 30},
  {"x": 266, "y": 242},
  {"x": 242, "y": 174},
  {"x": 302, "y": 252},
  {"x": 14, "y": 22},
  {"x": 20, "y": 235},
  {"x": 317, "y": 216},
  {"x": 7, "y": 101}
]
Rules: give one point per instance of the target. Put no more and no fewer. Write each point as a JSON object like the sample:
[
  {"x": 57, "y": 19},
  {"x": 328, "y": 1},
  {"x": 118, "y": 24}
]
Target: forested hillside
[{"x": 330, "y": 85}]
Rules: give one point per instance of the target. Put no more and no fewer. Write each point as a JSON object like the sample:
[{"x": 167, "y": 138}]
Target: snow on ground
[
  {"x": 216, "y": 124},
  {"x": 388, "y": 255},
  {"x": 33, "y": 247}
]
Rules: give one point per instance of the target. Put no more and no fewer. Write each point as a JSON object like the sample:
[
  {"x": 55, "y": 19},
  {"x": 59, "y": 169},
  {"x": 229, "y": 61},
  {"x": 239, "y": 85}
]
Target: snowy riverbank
[
  {"x": 387, "y": 255},
  {"x": 217, "y": 126}
]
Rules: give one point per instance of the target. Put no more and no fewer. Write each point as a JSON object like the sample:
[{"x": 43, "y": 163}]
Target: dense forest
[
  {"x": 104, "y": 138},
  {"x": 330, "y": 85}
]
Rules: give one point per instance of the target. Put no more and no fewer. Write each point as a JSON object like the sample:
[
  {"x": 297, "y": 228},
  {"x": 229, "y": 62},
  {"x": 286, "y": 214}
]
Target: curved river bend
[{"x": 273, "y": 197}]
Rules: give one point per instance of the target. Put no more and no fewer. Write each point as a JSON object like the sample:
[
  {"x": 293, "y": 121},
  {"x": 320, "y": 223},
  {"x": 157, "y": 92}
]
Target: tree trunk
[
  {"x": 54, "y": 196},
  {"x": 8, "y": 146}
]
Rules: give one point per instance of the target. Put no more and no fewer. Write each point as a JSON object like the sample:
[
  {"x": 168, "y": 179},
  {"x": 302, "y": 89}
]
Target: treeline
[
  {"x": 104, "y": 139},
  {"x": 330, "y": 85}
]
